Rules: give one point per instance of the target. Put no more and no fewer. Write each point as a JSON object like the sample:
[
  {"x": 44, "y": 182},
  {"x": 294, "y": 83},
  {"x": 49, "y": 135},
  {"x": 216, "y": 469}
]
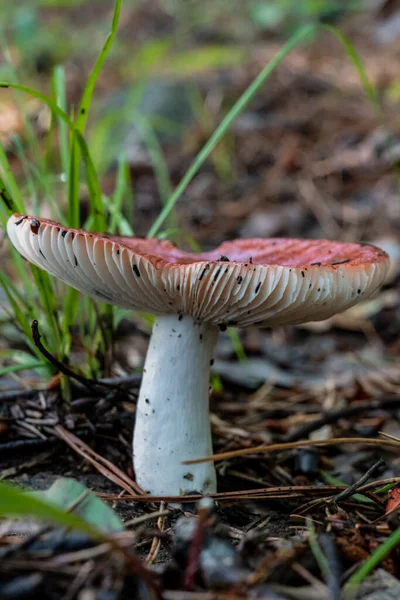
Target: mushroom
[{"x": 266, "y": 282}]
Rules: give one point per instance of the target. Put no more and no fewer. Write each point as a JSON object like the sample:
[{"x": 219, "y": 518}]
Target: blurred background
[
  {"x": 315, "y": 153},
  {"x": 308, "y": 157}
]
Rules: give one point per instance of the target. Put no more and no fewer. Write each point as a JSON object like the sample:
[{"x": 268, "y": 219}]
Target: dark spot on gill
[
  {"x": 64, "y": 233},
  {"x": 342, "y": 261},
  {"x": 136, "y": 271},
  {"x": 42, "y": 254},
  {"x": 118, "y": 251},
  {"x": 20, "y": 221},
  {"x": 358, "y": 291},
  {"x": 239, "y": 279},
  {"x": 180, "y": 317},
  {"x": 302, "y": 274},
  {"x": 257, "y": 287},
  {"x": 316, "y": 264},
  {"x": 75, "y": 260},
  {"x": 222, "y": 327},
  {"x": 204, "y": 271},
  {"x": 218, "y": 271},
  {"x": 223, "y": 258},
  {"x": 251, "y": 260},
  {"x": 35, "y": 224}
]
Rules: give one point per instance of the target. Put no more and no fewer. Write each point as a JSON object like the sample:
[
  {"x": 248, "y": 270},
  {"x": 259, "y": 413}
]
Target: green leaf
[
  {"x": 64, "y": 492},
  {"x": 17, "y": 503}
]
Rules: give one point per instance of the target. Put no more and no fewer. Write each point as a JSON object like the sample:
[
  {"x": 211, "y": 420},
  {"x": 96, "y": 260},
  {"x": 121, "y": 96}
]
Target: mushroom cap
[{"x": 266, "y": 281}]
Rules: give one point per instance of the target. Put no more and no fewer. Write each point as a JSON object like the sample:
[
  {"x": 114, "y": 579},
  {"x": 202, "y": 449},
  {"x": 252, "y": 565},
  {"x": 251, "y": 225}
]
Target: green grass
[
  {"x": 58, "y": 311},
  {"x": 367, "y": 566}
]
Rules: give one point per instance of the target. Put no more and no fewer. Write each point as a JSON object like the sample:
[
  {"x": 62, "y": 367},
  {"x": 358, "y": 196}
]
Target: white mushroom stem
[{"x": 172, "y": 416}]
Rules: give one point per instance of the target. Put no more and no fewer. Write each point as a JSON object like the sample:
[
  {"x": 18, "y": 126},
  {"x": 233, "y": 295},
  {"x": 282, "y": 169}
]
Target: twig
[
  {"x": 12, "y": 395},
  {"x": 333, "y": 416},
  {"x": 291, "y": 445},
  {"x": 104, "y": 466},
  {"x": 352, "y": 489},
  {"x": 149, "y": 517},
  {"x": 117, "y": 383},
  {"x": 270, "y": 493},
  {"x": 156, "y": 543},
  {"x": 16, "y": 446}
]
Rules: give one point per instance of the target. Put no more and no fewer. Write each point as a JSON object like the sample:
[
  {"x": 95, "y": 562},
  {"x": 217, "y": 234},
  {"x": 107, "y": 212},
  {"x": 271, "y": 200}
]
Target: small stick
[
  {"x": 333, "y": 416},
  {"x": 156, "y": 543},
  {"x": 291, "y": 445},
  {"x": 352, "y": 489}
]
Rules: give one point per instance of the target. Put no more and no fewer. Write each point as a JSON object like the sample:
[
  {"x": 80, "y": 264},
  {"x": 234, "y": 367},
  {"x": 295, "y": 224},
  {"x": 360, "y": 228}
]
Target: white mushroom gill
[{"x": 172, "y": 416}]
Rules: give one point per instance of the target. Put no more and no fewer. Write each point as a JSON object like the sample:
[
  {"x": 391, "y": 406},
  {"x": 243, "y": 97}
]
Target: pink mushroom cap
[{"x": 265, "y": 281}]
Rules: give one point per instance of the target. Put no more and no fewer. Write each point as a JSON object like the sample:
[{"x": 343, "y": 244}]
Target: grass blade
[
  {"x": 392, "y": 542},
  {"x": 61, "y": 101},
  {"x": 351, "y": 52},
  {"x": 121, "y": 188},
  {"x": 33, "y": 364},
  {"x": 9, "y": 191},
  {"x": 369, "y": 90},
  {"x": 220, "y": 131},
  {"x": 86, "y": 100}
]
